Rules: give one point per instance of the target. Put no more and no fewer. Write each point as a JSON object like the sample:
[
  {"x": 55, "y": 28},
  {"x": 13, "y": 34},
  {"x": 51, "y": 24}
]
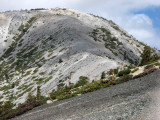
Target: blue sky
[
  {"x": 141, "y": 18},
  {"x": 153, "y": 13}
]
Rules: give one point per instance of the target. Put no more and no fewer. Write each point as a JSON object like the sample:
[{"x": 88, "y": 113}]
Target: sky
[{"x": 141, "y": 18}]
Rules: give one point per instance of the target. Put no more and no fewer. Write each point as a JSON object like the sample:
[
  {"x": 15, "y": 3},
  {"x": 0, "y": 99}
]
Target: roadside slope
[{"x": 134, "y": 100}]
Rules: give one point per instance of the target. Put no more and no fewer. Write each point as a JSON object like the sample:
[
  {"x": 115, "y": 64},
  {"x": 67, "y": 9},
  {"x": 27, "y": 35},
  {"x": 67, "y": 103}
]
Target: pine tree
[
  {"x": 146, "y": 55},
  {"x": 38, "y": 93},
  {"x": 30, "y": 98},
  {"x": 103, "y": 75}
]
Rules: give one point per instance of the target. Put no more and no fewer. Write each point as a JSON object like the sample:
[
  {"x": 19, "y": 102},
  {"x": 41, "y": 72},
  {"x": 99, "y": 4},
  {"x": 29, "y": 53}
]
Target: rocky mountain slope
[{"x": 52, "y": 47}]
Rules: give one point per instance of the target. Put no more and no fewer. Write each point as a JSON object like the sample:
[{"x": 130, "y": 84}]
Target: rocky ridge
[{"x": 44, "y": 47}]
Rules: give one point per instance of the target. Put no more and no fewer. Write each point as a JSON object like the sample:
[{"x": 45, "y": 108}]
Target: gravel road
[{"x": 138, "y": 99}]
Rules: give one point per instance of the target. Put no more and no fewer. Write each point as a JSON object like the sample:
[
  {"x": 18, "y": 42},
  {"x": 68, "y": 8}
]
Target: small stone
[{"x": 49, "y": 101}]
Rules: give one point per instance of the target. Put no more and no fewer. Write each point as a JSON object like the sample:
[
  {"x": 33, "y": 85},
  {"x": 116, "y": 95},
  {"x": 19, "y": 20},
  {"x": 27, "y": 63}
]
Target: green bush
[
  {"x": 61, "y": 85},
  {"x": 42, "y": 73},
  {"x": 8, "y": 105},
  {"x": 90, "y": 87},
  {"x": 49, "y": 78},
  {"x": 116, "y": 27},
  {"x": 28, "y": 73},
  {"x": 123, "y": 79},
  {"x": 82, "y": 81},
  {"x": 30, "y": 98},
  {"x": 116, "y": 71},
  {"x": 61, "y": 97},
  {"x": 40, "y": 80},
  {"x": 136, "y": 69},
  {"x": 21, "y": 27},
  {"x": 148, "y": 66},
  {"x": 35, "y": 71},
  {"x": 157, "y": 64},
  {"x": 32, "y": 19},
  {"x": 124, "y": 72},
  {"x": 103, "y": 75},
  {"x": 147, "y": 56},
  {"x": 22, "y": 108},
  {"x": 6, "y": 87}
]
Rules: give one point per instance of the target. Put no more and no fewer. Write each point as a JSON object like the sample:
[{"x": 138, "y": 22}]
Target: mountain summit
[{"x": 54, "y": 47}]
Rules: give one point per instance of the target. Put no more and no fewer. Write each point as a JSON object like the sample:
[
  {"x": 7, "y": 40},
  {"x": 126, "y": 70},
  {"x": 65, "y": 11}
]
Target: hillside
[{"x": 52, "y": 47}]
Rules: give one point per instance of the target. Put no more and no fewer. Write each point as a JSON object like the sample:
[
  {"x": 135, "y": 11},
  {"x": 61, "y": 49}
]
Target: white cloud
[
  {"x": 141, "y": 27},
  {"x": 120, "y": 11}
]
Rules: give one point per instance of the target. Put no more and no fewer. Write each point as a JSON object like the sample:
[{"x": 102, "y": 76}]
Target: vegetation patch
[
  {"x": 5, "y": 88},
  {"x": 82, "y": 81},
  {"x": 124, "y": 72},
  {"x": 62, "y": 49},
  {"x": 24, "y": 87},
  {"x": 42, "y": 73},
  {"x": 82, "y": 86},
  {"x": 116, "y": 27},
  {"x": 136, "y": 69},
  {"x": 28, "y": 90},
  {"x": 148, "y": 56},
  {"x": 111, "y": 42},
  {"x": 40, "y": 80},
  {"x": 28, "y": 73},
  {"x": 49, "y": 78},
  {"x": 6, "y": 111},
  {"x": 35, "y": 71}
]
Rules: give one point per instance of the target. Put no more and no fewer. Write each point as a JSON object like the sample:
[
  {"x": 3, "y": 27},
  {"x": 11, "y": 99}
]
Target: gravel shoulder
[{"x": 137, "y": 99}]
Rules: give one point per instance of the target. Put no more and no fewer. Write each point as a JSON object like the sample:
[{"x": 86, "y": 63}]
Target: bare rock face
[
  {"x": 43, "y": 47},
  {"x": 158, "y": 52}
]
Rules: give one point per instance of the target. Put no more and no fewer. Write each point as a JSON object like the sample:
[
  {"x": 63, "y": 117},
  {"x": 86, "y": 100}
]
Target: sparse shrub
[
  {"x": 148, "y": 66},
  {"x": 22, "y": 109},
  {"x": 6, "y": 87},
  {"x": 123, "y": 78},
  {"x": 136, "y": 69},
  {"x": 39, "y": 65},
  {"x": 5, "y": 40},
  {"x": 146, "y": 72},
  {"x": 110, "y": 72},
  {"x": 35, "y": 71},
  {"x": 116, "y": 27},
  {"x": 116, "y": 71},
  {"x": 38, "y": 93},
  {"x": 30, "y": 98},
  {"x": 130, "y": 66},
  {"x": 147, "y": 56},
  {"x": 31, "y": 19},
  {"x": 157, "y": 64},
  {"x": 106, "y": 31},
  {"x": 40, "y": 80},
  {"x": 42, "y": 73},
  {"x": 111, "y": 78},
  {"x": 62, "y": 49},
  {"x": 124, "y": 72},
  {"x": 60, "y": 60},
  {"x": 103, "y": 75},
  {"x": 8, "y": 105},
  {"x": 13, "y": 85},
  {"x": 61, "y": 85},
  {"x": 21, "y": 27},
  {"x": 82, "y": 81},
  {"x": 90, "y": 87},
  {"x": 28, "y": 73},
  {"x": 49, "y": 78}
]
